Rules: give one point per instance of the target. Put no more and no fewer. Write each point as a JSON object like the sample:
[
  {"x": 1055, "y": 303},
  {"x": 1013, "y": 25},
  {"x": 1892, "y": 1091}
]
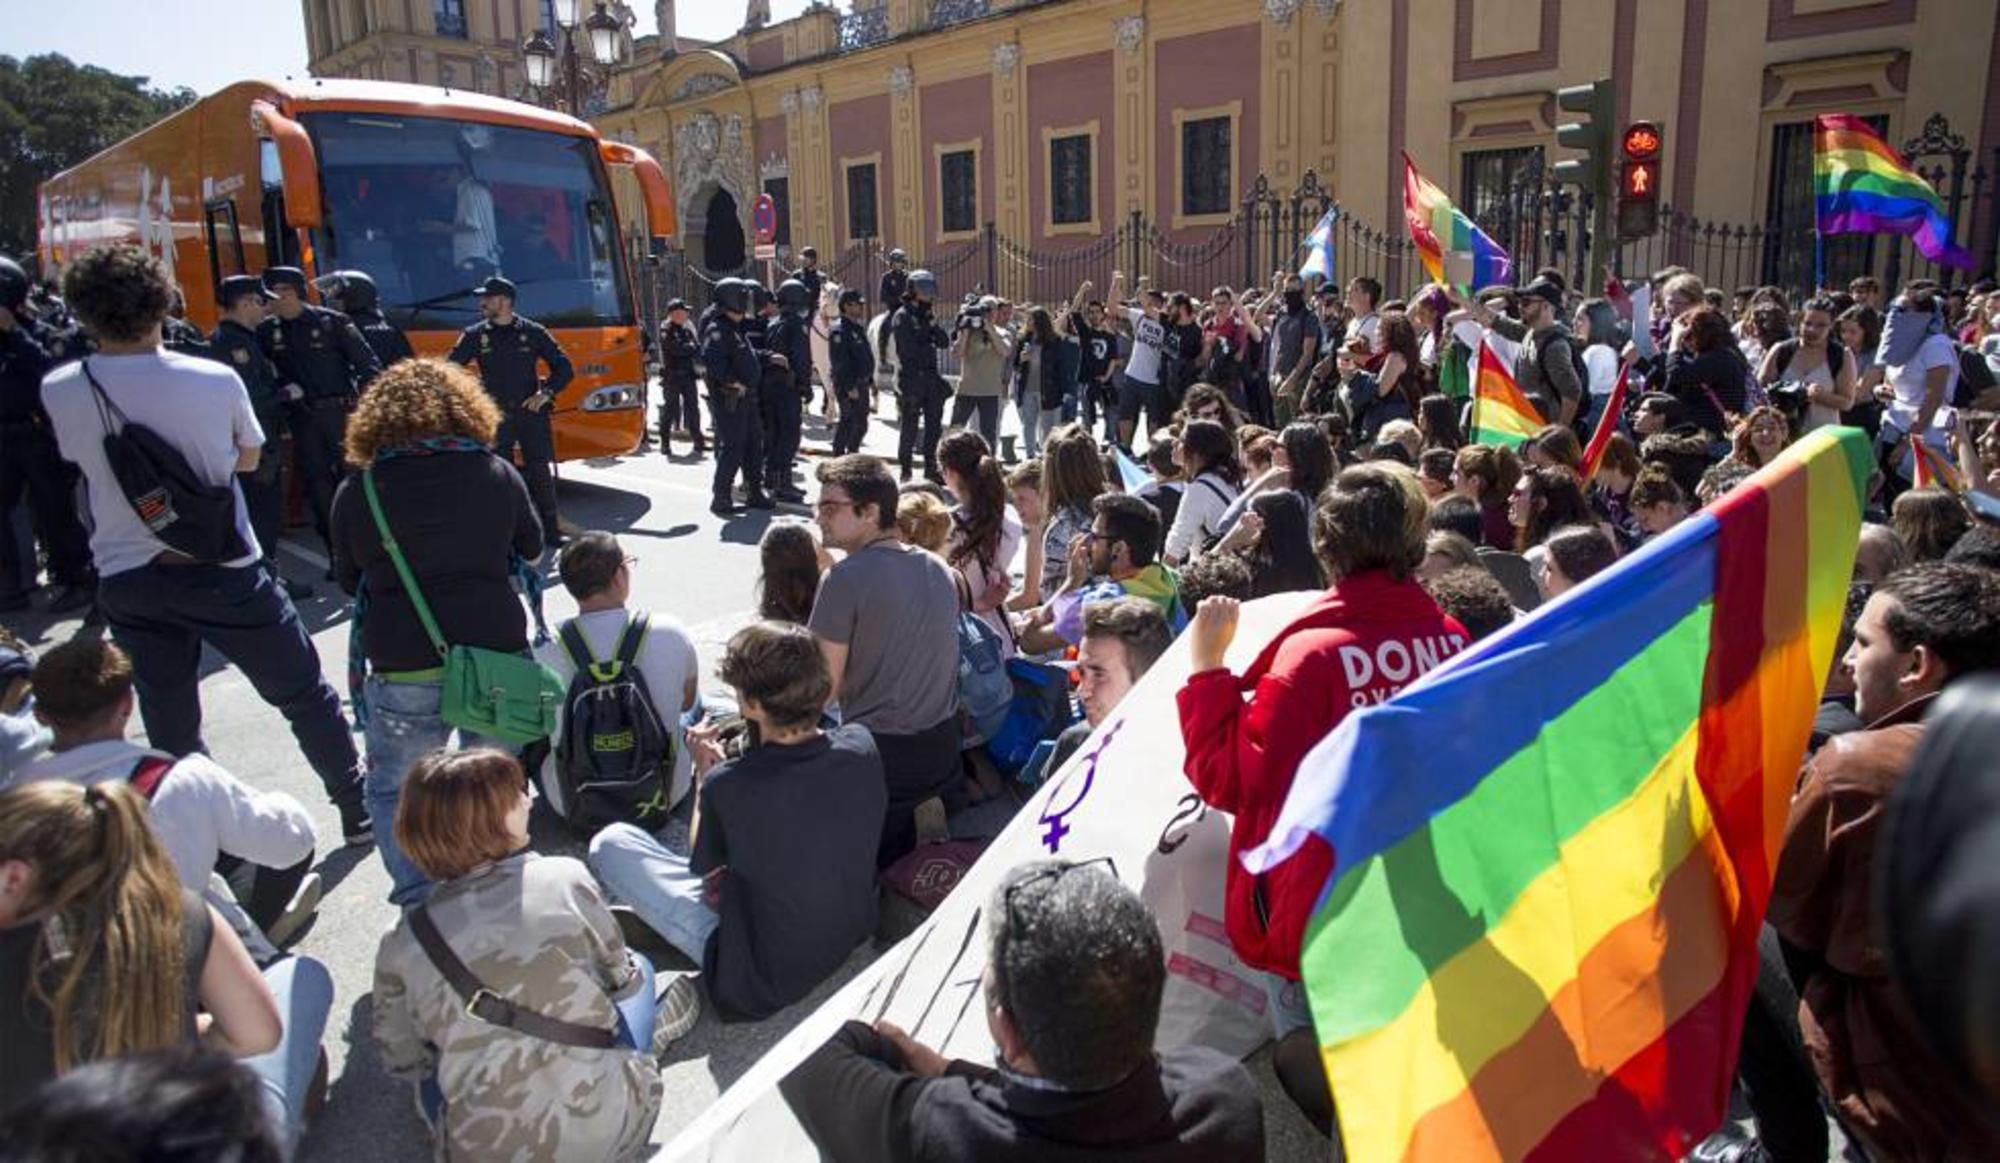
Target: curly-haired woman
[{"x": 460, "y": 514}]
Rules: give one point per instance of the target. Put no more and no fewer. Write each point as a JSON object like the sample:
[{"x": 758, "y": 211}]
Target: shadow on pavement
[{"x": 369, "y": 1115}]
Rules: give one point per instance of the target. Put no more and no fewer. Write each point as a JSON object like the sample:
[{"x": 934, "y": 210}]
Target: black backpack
[
  {"x": 1975, "y": 376},
  {"x": 192, "y": 517},
  {"x": 615, "y": 763}
]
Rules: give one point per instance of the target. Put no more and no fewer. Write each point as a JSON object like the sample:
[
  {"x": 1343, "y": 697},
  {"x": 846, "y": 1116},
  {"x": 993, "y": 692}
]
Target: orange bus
[{"x": 427, "y": 190}]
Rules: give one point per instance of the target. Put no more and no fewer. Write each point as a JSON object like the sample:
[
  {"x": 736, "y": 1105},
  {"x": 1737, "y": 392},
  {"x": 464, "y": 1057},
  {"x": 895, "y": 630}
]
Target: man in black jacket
[
  {"x": 787, "y": 337},
  {"x": 510, "y": 349},
  {"x": 242, "y": 299},
  {"x": 323, "y": 363},
  {"x": 853, "y": 365},
  {"x": 895, "y": 280},
  {"x": 354, "y": 293},
  {"x": 733, "y": 371},
  {"x": 1073, "y": 982},
  {"x": 920, "y": 388},
  {"x": 31, "y": 467},
  {"x": 680, "y": 346}
]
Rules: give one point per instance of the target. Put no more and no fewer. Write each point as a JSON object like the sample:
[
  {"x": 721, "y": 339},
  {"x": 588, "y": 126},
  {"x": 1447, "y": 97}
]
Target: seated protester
[
  {"x": 1073, "y": 982},
  {"x": 1720, "y": 480},
  {"x": 1759, "y": 439},
  {"x": 1836, "y": 707},
  {"x": 1122, "y": 640},
  {"x": 791, "y": 561},
  {"x": 1922, "y": 630},
  {"x": 923, "y": 521},
  {"x": 1546, "y": 499},
  {"x": 1434, "y": 470},
  {"x": 563, "y": 1010},
  {"x": 1274, "y": 539},
  {"x": 1211, "y": 574},
  {"x": 781, "y": 885},
  {"x": 1685, "y": 456},
  {"x": 1206, "y": 454},
  {"x": 887, "y": 622},
  {"x": 598, "y": 575},
  {"x": 162, "y": 1106},
  {"x": 80, "y": 864},
  {"x": 1474, "y": 598},
  {"x": 1659, "y": 414},
  {"x": 1486, "y": 476},
  {"x": 1657, "y": 502},
  {"x": 1113, "y": 560},
  {"x": 1242, "y": 752},
  {"x": 1880, "y": 551},
  {"x": 1168, "y": 485},
  {"x": 1930, "y": 522},
  {"x": 1460, "y": 515},
  {"x": 200, "y": 812},
  {"x": 1576, "y": 554},
  {"x": 22, "y": 735},
  {"x": 1445, "y": 551},
  {"x": 1979, "y": 545}
]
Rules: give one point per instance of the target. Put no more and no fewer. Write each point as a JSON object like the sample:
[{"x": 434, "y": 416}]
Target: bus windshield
[{"x": 430, "y": 207}]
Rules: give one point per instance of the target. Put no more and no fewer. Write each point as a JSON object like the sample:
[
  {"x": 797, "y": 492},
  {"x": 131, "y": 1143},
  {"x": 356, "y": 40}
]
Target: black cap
[
  {"x": 236, "y": 286},
  {"x": 496, "y": 285},
  {"x": 851, "y": 295},
  {"x": 293, "y": 277},
  {"x": 1547, "y": 290},
  {"x": 674, "y": 305}
]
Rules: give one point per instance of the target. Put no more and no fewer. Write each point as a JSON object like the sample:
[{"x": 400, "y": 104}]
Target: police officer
[
  {"x": 853, "y": 371},
  {"x": 30, "y": 465},
  {"x": 920, "y": 387},
  {"x": 733, "y": 371},
  {"x": 243, "y": 301},
  {"x": 809, "y": 274},
  {"x": 895, "y": 280},
  {"x": 323, "y": 364},
  {"x": 177, "y": 334},
  {"x": 680, "y": 348},
  {"x": 788, "y": 343},
  {"x": 507, "y": 347},
  {"x": 354, "y": 294}
]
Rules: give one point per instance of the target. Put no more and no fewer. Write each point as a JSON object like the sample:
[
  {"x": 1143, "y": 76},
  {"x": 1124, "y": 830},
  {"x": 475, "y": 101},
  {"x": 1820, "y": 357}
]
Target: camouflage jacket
[{"x": 536, "y": 930}]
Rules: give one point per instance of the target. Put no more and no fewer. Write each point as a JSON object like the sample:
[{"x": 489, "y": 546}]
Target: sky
[{"x": 206, "y": 44}]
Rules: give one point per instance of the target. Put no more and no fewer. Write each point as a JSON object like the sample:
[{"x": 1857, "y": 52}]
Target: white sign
[
  {"x": 765, "y": 252},
  {"x": 1122, "y": 795}
]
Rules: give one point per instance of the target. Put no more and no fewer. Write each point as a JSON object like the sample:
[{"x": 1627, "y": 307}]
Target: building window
[
  {"x": 1788, "y": 215},
  {"x": 861, "y": 218},
  {"x": 450, "y": 17},
  {"x": 1501, "y": 190},
  {"x": 780, "y": 190},
  {"x": 1205, "y": 164},
  {"x": 958, "y": 191},
  {"x": 1071, "y": 177}
]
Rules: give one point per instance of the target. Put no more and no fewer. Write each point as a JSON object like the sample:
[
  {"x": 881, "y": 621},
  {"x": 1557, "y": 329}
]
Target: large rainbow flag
[
  {"x": 1453, "y": 250},
  {"x": 1553, "y": 854},
  {"x": 1861, "y": 185},
  {"x": 1501, "y": 413}
]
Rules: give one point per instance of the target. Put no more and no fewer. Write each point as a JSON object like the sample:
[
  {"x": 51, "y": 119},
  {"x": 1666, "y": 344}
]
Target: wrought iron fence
[{"x": 863, "y": 27}]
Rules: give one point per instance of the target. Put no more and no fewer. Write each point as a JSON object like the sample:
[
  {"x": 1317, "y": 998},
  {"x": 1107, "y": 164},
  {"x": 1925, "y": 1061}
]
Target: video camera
[
  {"x": 971, "y": 315},
  {"x": 1789, "y": 397}
]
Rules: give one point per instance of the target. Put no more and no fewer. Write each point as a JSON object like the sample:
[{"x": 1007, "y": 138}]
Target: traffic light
[
  {"x": 1597, "y": 104},
  {"x": 1639, "y": 179}
]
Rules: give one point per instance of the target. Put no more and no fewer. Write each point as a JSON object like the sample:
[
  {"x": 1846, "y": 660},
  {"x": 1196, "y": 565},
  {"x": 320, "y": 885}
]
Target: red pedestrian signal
[
  {"x": 1642, "y": 180},
  {"x": 1639, "y": 179}
]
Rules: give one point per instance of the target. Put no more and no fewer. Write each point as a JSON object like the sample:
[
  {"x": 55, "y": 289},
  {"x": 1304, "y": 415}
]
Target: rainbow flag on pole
[
  {"x": 1863, "y": 186},
  {"x": 1501, "y": 414},
  {"x": 1607, "y": 427},
  {"x": 1539, "y": 935},
  {"x": 1929, "y": 469},
  {"x": 1453, "y": 250}
]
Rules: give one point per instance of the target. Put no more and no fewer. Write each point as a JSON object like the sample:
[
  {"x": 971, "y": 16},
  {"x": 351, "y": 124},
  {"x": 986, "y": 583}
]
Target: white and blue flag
[{"x": 1319, "y": 248}]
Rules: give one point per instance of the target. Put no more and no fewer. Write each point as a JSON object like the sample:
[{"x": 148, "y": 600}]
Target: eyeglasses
[
  {"x": 1047, "y": 875},
  {"x": 1093, "y": 536}
]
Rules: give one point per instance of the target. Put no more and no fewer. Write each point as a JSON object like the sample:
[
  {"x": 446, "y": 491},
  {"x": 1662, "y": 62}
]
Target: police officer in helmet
[
  {"x": 733, "y": 371},
  {"x": 895, "y": 280},
  {"x": 353, "y": 293},
  {"x": 509, "y": 350},
  {"x": 788, "y": 343},
  {"x": 323, "y": 364},
  {"x": 30, "y": 464},
  {"x": 920, "y": 387}
]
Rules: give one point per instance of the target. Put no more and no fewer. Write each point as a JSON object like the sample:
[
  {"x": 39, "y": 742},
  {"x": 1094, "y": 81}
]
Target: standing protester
[
  {"x": 507, "y": 347},
  {"x": 162, "y": 604},
  {"x": 680, "y": 408},
  {"x": 1547, "y": 367},
  {"x": 1363, "y": 293},
  {"x": 31, "y": 466},
  {"x": 895, "y": 283},
  {"x": 920, "y": 387},
  {"x": 354, "y": 294},
  {"x": 985, "y": 353},
  {"x": 788, "y": 337},
  {"x": 1096, "y": 388},
  {"x": 853, "y": 364},
  {"x": 1142, "y": 388},
  {"x": 1294, "y": 348},
  {"x": 733, "y": 372},
  {"x": 234, "y": 342}
]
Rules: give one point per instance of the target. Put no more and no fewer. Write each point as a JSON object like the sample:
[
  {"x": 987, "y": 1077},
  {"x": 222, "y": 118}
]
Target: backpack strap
[
  {"x": 574, "y": 645},
  {"x": 402, "y": 564},
  {"x": 148, "y": 775},
  {"x": 489, "y": 1007},
  {"x": 634, "y": 637}
]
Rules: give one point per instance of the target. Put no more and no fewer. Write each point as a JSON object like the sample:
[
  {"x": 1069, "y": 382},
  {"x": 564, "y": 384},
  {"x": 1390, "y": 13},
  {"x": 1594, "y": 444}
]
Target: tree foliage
[{"x": 55, "y": 113}]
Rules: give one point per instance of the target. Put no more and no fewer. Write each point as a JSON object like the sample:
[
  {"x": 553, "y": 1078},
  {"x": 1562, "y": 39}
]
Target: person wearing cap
[
  {"x": 234, "y": 341},
  {"x": 510, "y": 350},
  {"x": 679, "y": 406},
  {"x": 787, "y": 338},
  {"x": 895, "y": 282},
  {"x": 31, "y": 467},
  {"x": 1548, "y": 367},
  {"x": 920, "y": 387},
  {"x": 809, "y": 274},
  {"x": 323, "y": 364},
  {"x": 733, "y": 372},
  {"x": 853, "y": 371}
]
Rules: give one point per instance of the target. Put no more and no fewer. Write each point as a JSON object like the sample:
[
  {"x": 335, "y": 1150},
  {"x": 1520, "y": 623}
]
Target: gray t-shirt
[{"x": 896, "y": 609}]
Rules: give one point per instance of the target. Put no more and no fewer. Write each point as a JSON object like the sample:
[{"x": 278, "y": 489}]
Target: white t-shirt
[
  {"x": 197, "y": 405},
  {"x": 1149, "y": 338},
  {"x": 1908, "y": 382},
  {"x": 1602, "y": 364},
  {"x": 1363, "y": 327},
  {"x": 667, "y": 662}
]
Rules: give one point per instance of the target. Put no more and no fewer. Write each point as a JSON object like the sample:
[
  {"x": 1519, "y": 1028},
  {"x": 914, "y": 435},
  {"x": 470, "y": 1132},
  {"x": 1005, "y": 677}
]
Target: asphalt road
[{"x": 690, "y": 564}]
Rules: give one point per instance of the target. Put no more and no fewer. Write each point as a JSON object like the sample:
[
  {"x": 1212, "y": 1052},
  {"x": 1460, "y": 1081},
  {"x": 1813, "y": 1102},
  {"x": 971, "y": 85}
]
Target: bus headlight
[{"x": 612, "y": 398}]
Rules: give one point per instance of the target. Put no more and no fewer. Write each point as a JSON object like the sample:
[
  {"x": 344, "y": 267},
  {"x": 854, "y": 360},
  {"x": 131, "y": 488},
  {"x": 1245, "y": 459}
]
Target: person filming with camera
[
  {"x": 985, "y": 354},
  {"x": 1811, "y": 377}
]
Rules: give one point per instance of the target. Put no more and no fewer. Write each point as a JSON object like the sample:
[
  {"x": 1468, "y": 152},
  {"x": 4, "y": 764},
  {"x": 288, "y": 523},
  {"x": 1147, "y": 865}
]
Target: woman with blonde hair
[{"x": 461, "y": 517}]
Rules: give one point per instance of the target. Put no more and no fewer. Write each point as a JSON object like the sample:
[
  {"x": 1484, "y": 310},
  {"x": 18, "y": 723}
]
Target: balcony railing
[
  {"x": 451, "y": 20},
  {"x": 945, "y": 13},
  {"x": 864, "y": 27}
]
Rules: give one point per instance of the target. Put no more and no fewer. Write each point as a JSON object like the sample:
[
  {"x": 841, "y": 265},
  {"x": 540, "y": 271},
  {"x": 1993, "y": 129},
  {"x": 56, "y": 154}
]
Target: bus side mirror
[
  {"x": 296, "y": 161},
  {"x": 652, "y": 184},
  {"x": 659, "y": 246}
]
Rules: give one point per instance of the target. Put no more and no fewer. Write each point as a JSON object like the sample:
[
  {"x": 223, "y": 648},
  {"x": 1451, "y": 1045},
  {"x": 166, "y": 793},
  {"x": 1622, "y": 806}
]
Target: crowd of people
[{"x": 944, "y": 633}]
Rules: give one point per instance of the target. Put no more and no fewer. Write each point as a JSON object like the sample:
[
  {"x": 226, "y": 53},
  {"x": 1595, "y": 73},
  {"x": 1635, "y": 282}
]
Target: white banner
[{"x": 1122, "y": 795}]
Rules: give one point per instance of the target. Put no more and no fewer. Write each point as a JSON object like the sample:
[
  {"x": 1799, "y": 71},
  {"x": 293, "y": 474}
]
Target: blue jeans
[
  {"x": 304, "y": 993},
  {"x": 403, "y": 724},
  {"x": 162, "y": 615},
  {"x": 641, "y": 872}
]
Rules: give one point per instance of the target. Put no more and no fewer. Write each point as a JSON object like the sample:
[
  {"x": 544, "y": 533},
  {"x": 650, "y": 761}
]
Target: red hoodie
[{"x": 1357, "y": 645}]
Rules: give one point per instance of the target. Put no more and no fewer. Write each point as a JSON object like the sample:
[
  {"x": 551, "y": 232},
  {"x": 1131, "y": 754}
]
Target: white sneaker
[
  {"x": 305, "y": 902},
  {"x": 679, "y": 1009}
]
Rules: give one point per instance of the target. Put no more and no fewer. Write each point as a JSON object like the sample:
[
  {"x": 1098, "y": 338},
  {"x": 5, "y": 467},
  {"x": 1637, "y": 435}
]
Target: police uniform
[
  {"x": 323, "y": 354},
  {"x": 786, "y": 334},
  {"x": 920, "y": 387},
  {"x": 238, "y": 346},
  {"x": 895, "y": 283},
  {"x": 384, "y": 338},
  {"x": 853, "y": 364},
  {"x": 680, "y": 346},
  {"x": 184, "y": 337},
  {"x": 508, "y": 356},
  {"x": 31, "y": 467},
  {"x": 733, "y": 371}
]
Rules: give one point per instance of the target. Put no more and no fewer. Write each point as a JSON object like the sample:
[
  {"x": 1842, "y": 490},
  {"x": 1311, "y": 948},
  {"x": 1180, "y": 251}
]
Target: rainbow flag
[
  {"x": 1607, "y": 426},
  {"x": 1861, "y": 185},
  {"x": 1453, "y": 250},
  {"x": 1538, "y": 937},
  {"x": 1930, "y": 470},
  {"x": 1501, "y": 414}
]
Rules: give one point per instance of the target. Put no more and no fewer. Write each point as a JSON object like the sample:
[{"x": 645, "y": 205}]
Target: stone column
[{"x": 902, "y": 220}]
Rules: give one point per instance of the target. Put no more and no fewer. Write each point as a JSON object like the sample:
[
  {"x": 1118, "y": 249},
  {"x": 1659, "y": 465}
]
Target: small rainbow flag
[
  {"x": 1863, "y": 186},
  {"x": 1454, "y": 251},
  {"x": 1501, "y": 414},
  {"x": 1607, "y": 426},
  {"x": 1930, "y": 470},
  {"x": 1538, "y": 937}
]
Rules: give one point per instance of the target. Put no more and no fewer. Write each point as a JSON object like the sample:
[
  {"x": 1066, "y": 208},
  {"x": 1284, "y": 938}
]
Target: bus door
[{"x": 281, "y": 242}]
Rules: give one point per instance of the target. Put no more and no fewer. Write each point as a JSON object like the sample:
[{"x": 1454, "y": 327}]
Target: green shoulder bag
[{"x": 488, "y": 692}]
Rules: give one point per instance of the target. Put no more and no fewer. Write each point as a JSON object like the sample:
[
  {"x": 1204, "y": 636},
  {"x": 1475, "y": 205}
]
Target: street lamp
[{"x": 557, "y": 71}]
